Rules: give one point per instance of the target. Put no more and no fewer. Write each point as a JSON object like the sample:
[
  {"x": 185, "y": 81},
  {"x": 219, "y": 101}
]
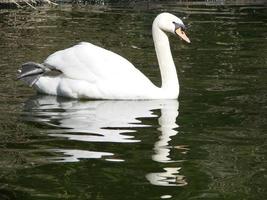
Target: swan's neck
[{"x": 170, "y": 84}]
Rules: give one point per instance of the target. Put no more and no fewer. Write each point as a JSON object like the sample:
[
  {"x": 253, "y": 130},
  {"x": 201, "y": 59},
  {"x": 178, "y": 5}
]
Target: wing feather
[{"x": 86, "y": 61}]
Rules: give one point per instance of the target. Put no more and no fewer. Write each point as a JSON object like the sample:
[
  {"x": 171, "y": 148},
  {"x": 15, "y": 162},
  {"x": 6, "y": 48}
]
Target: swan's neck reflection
[
  {"x": 171, "y": 175},
  {"x": 107, "y": 122},
  {"x": 167, "y": 122}
]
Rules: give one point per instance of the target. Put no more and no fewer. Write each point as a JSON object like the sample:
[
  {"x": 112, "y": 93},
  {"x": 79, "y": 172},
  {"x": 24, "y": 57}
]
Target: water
[{"x": 209, "y": 145}]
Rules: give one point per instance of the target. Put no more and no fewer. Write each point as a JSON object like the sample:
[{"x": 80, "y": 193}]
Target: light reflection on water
[
  {"x": 170, "y": 177},
  {"x": 107, "y": 122}
]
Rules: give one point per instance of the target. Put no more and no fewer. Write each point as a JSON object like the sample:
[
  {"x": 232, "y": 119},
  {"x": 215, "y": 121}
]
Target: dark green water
[{"x": 211, "y": 144}]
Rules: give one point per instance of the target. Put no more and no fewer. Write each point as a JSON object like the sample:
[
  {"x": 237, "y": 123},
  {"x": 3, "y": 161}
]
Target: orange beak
[{"x": 182, "y": 35}]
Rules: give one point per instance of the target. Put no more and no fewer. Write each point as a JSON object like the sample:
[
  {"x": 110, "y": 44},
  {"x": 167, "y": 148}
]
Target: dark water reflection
[{"x": 53, "y": 148}]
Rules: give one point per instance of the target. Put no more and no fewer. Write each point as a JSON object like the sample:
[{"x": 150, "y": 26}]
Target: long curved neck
[{"x": 170, "y": 84}]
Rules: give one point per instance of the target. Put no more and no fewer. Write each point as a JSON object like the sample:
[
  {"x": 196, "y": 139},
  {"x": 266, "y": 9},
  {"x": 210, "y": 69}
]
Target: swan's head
[{"x": 170, "y": 23}]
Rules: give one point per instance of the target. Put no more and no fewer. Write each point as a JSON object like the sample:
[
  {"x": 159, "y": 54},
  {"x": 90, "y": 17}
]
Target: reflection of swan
[
  {"x": 170, "y": 177},
  {"x": 167, "y": 122},
  {"x": 88, "y": 71},
  {"x": 107, "y": 121},
  {"x": 92, "y": 121},
  {"x": 75, "y": 155}
]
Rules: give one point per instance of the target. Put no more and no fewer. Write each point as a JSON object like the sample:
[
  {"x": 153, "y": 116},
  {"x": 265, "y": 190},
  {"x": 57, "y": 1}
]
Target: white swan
[{"x": 88, "y": 71}]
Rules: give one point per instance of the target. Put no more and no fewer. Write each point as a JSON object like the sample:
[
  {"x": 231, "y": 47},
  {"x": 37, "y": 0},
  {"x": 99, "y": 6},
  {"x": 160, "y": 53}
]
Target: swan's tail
[{"x": 30, "y": 72}]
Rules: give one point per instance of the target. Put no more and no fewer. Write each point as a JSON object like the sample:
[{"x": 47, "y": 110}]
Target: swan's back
[
  {"x": 101, "y": 71},
  {"x": 86, "y": 61}
]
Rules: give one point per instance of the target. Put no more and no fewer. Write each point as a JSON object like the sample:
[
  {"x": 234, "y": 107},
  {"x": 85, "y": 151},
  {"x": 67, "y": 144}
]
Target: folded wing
[{"x": 94, "y": 64}]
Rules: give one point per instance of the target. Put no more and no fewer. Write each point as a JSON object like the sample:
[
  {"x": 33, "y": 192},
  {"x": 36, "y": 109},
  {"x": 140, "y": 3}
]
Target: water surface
[{"x": 210, "y": 144}]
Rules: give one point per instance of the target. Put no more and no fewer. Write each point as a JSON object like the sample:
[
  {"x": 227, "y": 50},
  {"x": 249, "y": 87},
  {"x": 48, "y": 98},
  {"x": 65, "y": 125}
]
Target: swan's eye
[{"x": 178, "y": 25}]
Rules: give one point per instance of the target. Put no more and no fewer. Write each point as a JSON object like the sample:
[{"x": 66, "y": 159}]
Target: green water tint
[{"x": 209, "y": 145}]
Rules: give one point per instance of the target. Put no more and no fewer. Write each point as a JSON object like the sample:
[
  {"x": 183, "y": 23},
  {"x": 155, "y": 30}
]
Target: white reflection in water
[
  {"x": 108, "y": 121},
  {"x": 170, "y": 177},
  {"x": 92, "y": 121},
  {"x": 167, "y": 122},
  {"x": 76, "y": 155}
]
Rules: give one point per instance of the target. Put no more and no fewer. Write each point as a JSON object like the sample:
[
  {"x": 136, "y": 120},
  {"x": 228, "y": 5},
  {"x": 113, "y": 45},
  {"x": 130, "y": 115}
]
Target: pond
[{"x": 208, "y": 144}]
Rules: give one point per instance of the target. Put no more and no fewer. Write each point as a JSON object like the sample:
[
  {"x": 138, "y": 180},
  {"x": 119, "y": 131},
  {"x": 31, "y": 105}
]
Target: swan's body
[
  {"x": 89, "y": 71},
  {"x": 93, "y": 72}
]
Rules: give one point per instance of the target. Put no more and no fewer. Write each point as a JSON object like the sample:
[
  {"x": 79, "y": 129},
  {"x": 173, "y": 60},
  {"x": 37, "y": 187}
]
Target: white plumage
[{"x": 89, "y": 71}]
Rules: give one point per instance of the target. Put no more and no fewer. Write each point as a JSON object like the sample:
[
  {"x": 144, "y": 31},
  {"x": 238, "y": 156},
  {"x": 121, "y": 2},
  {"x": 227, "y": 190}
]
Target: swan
[{"x": 91, "y": 72}]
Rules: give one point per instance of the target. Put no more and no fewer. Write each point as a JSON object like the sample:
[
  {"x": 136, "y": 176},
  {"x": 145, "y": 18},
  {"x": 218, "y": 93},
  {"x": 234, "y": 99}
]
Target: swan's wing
[{"x": 88, "y": 62}]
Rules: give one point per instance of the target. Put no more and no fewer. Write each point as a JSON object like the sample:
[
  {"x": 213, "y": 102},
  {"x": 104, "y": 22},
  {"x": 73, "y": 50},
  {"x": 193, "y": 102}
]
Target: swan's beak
[{"x": 182, "y": 35}]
